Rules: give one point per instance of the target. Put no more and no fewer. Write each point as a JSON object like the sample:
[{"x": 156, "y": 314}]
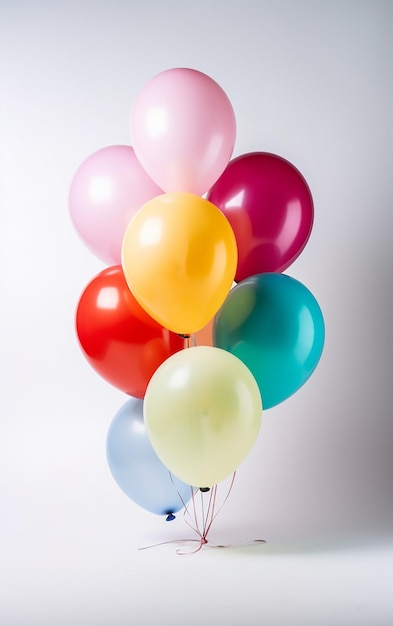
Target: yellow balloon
[
  {"x": 202, "y": 411},
  {"x": 179, "y": 258}
]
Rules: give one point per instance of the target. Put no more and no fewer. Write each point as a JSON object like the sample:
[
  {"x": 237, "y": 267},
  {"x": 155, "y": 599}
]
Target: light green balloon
[{"x": 202, "y": 411}]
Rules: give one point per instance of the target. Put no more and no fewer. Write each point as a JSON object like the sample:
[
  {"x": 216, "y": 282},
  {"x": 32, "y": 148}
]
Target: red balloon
[
  {"x": 270, "y": 208},
  {"x": 118, "y": 338}
]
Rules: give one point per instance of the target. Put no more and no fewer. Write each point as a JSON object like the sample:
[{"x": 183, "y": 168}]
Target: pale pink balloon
[
  {"x": 183, "y": 130},
  {"x": 107, "y": 190}
]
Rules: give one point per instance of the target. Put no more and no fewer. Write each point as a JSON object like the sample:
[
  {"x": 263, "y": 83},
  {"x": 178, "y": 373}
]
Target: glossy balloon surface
[
  {"x": 118, "y": 338},
  {"x": 137, "y": 469},
  {"x": 203, "y": 412},
  {"x": 179, "y": 259},
  {"x": 270, "y": 207},
  {"x": 183, "y": 130},
  {"x": 274, "y": 324},
  {"x": 106, "y": 191}
]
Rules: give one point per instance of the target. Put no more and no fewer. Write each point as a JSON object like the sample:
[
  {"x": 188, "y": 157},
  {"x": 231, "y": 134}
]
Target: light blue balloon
[
  {"x": 137, "y": 469},
  {"x": 273, "y": 323}
]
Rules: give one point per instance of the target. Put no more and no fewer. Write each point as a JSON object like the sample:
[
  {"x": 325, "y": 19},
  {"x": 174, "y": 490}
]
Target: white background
[{"x": 312, "y": 82}]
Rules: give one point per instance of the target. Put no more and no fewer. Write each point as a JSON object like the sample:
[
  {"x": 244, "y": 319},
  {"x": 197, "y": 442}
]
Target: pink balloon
[
  {"x": 270, "y": 208},
  {"x": 183, "y": 130},
  {"x": 107, "y": 190}
]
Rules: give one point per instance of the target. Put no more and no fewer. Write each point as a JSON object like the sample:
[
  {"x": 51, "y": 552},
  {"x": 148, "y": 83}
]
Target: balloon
[
  {"x": 119, "y": 339},
  {"x": 106, "y": 191},
  {"x": 137, "y": 469},
  {"x": 270, "y": 208},
  {"x": 273, "y": 323},
  {"x": 179, "y": 259},
  {"x": 202, "y": 411},
  {"x": 183, "y": 130}
]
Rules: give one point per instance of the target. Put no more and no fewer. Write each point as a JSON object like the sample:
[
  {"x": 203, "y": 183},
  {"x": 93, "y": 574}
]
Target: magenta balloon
[
  {"x": 106, "y": 191},
  {"x": 270, "y": 207},
  {"x": 183, "y": 130}
]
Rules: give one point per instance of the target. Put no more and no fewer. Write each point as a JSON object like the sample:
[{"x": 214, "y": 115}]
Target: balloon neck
[
  {"x": 184, "y": 336},
  {"x": 170, "y": 517},
  {"x": 204, "y": 489}
]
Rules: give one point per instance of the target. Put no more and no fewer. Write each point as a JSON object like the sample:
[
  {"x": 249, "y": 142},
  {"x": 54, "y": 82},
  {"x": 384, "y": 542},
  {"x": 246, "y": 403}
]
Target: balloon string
[
  {"x": 201, "y": 544},
  {"x": 208, "y": 515},
  {"x": 211, "y": 513},
  {"x": 195, "y": 518},
  {"x": 210, "y": 510},
  {"x": 208, "y": 518},
  {"x": 214, "y": 515},
  {"x": 196, "y": 530}
]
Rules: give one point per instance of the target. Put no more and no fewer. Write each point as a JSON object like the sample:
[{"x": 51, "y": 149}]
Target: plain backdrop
[{"x": 312, "y": 82}]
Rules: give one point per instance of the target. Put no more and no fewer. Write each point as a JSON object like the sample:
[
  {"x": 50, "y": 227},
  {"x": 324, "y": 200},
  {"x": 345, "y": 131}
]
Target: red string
[
  {"x": 201, "y": 544},
  {"x": 208, "y": 516}
]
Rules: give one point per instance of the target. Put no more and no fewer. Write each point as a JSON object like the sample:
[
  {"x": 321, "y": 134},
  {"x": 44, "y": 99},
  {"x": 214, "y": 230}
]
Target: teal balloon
[
  {"x": 274, "y": 324},
  {"x": 137, "y": 469}
]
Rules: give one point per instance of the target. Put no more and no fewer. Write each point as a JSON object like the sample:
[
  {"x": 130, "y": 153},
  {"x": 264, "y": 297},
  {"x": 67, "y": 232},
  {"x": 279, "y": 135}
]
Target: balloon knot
[
  {"x": 170, "y": 517},
  {"x": 184, "y": 336},
  {"x": 204, "y": 489}
]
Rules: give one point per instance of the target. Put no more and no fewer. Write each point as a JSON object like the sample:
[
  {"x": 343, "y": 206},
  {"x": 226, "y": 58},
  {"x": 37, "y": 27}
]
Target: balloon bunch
[{"x": 194, "y": 242}]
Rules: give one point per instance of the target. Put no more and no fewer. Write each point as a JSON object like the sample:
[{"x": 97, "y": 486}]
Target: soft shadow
[{"x": 302, "y": 540}]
